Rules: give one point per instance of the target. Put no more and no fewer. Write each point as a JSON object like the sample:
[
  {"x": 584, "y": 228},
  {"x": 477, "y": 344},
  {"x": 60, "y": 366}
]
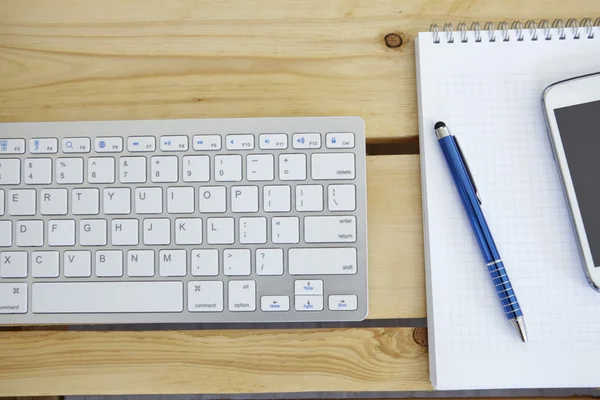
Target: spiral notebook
[{"x": 486, "y": 84}]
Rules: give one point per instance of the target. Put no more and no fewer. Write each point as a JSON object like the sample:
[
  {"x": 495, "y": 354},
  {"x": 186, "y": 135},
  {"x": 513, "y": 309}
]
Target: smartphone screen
[{"x": 579, "y": 130}]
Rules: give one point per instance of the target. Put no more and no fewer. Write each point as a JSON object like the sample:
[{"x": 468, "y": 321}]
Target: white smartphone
[{"x": 572, "y": 110}]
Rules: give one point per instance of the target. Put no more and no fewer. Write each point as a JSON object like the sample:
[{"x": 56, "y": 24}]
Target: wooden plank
[
  {"x": 146, "y": 59},
  {"x": 251, "y": 361}
]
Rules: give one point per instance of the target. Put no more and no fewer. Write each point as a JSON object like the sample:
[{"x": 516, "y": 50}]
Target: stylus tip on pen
[{"x": 439, "y": 124}]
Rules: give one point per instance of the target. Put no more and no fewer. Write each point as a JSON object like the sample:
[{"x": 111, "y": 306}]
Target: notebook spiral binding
[{"x": 571, "y": 27}]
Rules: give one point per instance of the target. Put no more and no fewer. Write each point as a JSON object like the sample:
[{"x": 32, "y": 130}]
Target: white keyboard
[{"x": 217, "y": 220}]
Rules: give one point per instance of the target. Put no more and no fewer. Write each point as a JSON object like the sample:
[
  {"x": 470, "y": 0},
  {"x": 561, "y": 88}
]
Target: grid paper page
[{"x": 489, "y": 94}]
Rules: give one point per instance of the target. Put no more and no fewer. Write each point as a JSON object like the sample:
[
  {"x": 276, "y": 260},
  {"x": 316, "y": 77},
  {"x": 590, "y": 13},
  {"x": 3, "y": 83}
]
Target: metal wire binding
[
  {"x": 532, "y": 26},
  {"x": 518, "y": 27},
  {"x": 476, "y": 27},
  {"x": 545, "y": 25},
  {"x": 462, "y": 28},
  {"x": 587, "y": 23},
  {"x": 436, "y": 33},
  {"x": 503, "y": 26},
  {"x": 572, "y": 23},
  {"x": 489, "y": 26},
  {"x": 560, "y": 25},
  {"x": 449, "y": 33}
]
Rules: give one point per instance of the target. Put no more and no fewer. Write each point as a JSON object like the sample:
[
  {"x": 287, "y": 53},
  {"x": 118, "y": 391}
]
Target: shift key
[{"x": 337, "y": 229}]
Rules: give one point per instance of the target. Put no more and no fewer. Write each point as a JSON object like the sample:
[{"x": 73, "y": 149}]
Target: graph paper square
[{"x": 489, "y": 95}]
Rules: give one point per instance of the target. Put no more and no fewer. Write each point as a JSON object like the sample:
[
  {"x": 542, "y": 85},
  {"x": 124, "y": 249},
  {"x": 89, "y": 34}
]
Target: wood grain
[
  {"x": 255, "y": 361},
  {"x": 152, "y": 59}
]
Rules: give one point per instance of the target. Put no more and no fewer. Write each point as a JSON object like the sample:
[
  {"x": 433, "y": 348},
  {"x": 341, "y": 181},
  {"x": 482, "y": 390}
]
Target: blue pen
[{"x": 472, "y": 203}]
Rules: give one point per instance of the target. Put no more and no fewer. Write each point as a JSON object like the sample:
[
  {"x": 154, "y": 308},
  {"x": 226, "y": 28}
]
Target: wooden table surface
[{"x": 150, "y": 59}]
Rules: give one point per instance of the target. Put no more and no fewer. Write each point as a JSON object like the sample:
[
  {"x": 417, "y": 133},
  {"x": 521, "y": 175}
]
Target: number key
[
  {"x": 132, "y": 170},
  {"x": 228, "y": 168},
  {"x": 164, "y": 169},
  {"x": 38, "y": 171}
]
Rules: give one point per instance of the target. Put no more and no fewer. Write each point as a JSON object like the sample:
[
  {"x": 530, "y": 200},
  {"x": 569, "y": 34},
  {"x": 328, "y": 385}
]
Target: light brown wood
[
  {"x": 257, "y": 361},
  {"x": 152, "y": 59}
]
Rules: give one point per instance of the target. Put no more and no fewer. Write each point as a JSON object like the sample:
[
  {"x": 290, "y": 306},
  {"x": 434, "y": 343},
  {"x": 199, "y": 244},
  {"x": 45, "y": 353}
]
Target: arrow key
[
  {"x": 275, "y": 303},
  {"x": 309, "y": 303},
  {"x": 343, "y": 302},
  {"x": 308, "y": 287}
]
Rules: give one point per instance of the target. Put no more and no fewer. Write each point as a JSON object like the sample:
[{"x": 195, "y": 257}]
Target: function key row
[{"x": 142, "y": 144}]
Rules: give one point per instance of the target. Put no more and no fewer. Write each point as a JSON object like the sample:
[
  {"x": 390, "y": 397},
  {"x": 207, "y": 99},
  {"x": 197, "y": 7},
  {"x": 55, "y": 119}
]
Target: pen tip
[
  {"x": 519, "y": 325},
  {"x": 439, "y": 124}
]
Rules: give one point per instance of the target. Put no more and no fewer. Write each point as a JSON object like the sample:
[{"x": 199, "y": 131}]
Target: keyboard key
[
  {"x": 124, "y": 232},
  {"x": 239, "y": 142},
  {"x": 207, "y": 142},
  {"x": 117, "y": 297},
  {"x": 101, "y": 170},
  {"x": 253, "y": 230},
  {"x": 244, "y": 199},
  {"x": 228, "y": 168},
  {"x": 54, "y": 201},
  {"x": 21, "y": 202},
  {"x": 260, "y": 167},
  {"x": 196, "y": 169},
  {"x": 306, "y": 140},
  {"x": 309, "y": 287},
  {"x": 10, "y": 171},
  {"x": 327, "y": 166},
  {"x": 117, "y": 201},
  {"x": 342, "y": 140},
  {"x": 108, "y": 144},
  {"x": 173, "y": 143},
  {"x": 38, "y": 171},
  {"x": 43, "y": 145},
  {"x": 140, "y": 263},
  {"x": 236, "y": 262},
  {"x": 205, "y": 262},
  {"x": 322, "y": 261},
  {"x": 341, "y": 197},
  {"x": 292, "y": 167},
  {"x": 172, "y": 263},
  {"x": 309, "y": 198},
  {"x": 340, "y": 229},
  {"x": 76, "y": 145},
  {"x": 164, "y": 169},
  {"x": 69, "y": 170},
  {"x": 12, "y": 146},
  {"x": 132, "y": 169},
  {"x": 212, "y": 199},
  {"x": 275, "y": 303},
  {"x": 61, "y": 232},
  {"x": 29, "y": 233},
  {"x": 269, "y": 261},
  {"x": 13, "y": 264},
  {"x": 343, "y": 302},
  {"x": 1, "y": 201},
  {"x": 285, "y": 230},
  {"x": 220, "y": 230},
  {"x": 93, "y": 232},
  {"x": 148, "y": 200},
  {"x": 273, "y": 141},
  {"x": 188, "y": 231},
  {"x": 157, "y": 231},
  {"x": 180, "y": 200},
  {"x": 13, "y": 298},
  {"x": 85, "y": 201},
  {"x": 277, "y": 198},
  {"x": 6, "y": 233},
  {"x": 242, "y": 295},
  {"x": 45, "y": 264},
  {"x": 109, "y": 263},
  {"x": 308, "y": 303},
  {"x": 77, "y": 264},
  {"x": 141, "y": 144},
  {"x": 205, "y": 296}
]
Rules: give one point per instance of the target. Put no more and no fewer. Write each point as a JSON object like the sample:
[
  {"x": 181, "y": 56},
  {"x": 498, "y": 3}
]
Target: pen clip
[{"x": 464, "y": 160}]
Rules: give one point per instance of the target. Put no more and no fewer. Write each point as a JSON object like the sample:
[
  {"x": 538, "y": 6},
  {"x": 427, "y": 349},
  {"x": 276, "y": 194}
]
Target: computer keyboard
[{"x": 187, "y": 221}]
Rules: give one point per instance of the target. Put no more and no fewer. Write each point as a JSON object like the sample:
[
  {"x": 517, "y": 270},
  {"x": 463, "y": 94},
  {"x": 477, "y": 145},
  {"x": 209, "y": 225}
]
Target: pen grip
[{"x": 505, "y": 291}]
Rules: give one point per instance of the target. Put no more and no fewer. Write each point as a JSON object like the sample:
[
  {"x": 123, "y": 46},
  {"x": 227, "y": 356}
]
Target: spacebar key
[{"x": 107, "y": 297}]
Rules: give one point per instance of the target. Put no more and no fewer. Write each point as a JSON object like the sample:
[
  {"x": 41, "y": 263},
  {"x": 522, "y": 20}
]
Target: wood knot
[
  {"x": 393, "y": 40},
  {"x": 420, "y": 336}
]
